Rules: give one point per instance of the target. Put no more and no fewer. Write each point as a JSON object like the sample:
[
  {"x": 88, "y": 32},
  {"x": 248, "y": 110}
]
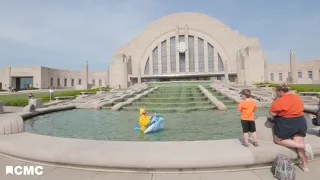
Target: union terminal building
[{"x": 184, "y": 46}]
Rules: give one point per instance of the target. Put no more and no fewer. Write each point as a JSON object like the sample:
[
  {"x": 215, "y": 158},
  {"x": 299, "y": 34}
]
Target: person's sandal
[
  {"x": 256, "y": 144},
  {"x": 245, "y": 145},
  {"x": 308, "y": 152},
  {"x": 306, "y": 170}
]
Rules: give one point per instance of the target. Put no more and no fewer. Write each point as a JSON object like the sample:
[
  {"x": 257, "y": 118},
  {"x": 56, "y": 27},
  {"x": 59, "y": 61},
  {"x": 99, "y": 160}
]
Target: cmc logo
[{"x": 24, "y": 170}]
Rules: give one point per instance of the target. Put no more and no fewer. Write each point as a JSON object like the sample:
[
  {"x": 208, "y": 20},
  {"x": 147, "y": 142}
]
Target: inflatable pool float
[{"x": 154, "y": 125}]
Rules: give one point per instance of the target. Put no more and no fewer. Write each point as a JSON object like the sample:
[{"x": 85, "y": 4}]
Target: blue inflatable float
[{"x": 154, "y": 125}]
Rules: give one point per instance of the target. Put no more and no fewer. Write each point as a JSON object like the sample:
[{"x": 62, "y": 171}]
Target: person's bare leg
[
  {"x": 254, "y": 135},
  {"x": 301, "y": 152},
  {"x": 289, "y": 143},
  {"x": 246, "y": 138}
]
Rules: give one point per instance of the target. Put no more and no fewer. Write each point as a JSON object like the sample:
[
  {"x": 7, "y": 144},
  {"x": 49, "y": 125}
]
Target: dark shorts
[
  {"x": 248, "y": 126},
  {"x": 287, "y": 128}
]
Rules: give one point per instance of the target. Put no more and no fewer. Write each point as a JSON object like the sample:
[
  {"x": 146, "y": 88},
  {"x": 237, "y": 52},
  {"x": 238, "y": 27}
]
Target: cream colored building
[
  {"x": 183, "y": 46},
  {"x": 306, "y": 72},
  {"x": 44, "y": 78}
]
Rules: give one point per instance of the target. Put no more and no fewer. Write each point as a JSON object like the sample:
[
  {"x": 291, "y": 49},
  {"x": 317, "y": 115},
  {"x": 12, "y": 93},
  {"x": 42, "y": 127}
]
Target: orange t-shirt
[
  {"x": 247, "y": 109},
  {"x": 288, "y": 106}
]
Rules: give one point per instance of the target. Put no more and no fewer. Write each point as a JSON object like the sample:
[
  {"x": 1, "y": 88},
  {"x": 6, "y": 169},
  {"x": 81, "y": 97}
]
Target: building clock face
[{"x": 182, "y": 47}]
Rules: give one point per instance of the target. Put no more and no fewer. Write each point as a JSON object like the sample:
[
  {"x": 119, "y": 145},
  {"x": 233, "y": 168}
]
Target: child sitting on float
[{"x": 144, "y": 120}]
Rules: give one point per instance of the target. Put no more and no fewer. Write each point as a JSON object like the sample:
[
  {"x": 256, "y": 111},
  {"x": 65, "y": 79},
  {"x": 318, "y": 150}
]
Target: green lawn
[
  {"x": 22, "y": 99},
  {"x": 6, "y": 98},
  {"x": 306, "y": 87},
  {"x": 298, "y": 87}
]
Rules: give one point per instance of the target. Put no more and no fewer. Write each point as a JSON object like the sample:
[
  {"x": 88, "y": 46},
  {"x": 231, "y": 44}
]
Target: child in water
[
  {"x": 247, "y": 107},
  {"x": 275, "y": 95},
  {"x": 144, "y": 120}
]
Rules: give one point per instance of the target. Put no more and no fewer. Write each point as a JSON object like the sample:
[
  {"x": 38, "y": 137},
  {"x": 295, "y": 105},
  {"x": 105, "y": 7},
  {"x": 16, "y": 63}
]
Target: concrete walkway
[{"x": 54, "y": 172}]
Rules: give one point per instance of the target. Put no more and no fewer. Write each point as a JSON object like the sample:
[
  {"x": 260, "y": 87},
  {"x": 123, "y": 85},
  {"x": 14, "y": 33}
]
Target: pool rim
[{"x": 139, "y": 156}]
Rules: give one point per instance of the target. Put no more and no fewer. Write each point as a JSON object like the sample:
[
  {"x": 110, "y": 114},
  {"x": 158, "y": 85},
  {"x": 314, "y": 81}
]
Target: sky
[{"x": 64, "y": 34}]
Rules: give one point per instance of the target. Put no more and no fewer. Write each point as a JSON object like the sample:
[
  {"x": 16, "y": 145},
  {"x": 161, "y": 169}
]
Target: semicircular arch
[{"x": 192, "y": 32}]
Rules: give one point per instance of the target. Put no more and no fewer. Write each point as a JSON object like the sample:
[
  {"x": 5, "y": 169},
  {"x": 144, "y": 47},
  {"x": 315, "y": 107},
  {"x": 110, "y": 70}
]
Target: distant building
[{"x": 183, "y": 46}]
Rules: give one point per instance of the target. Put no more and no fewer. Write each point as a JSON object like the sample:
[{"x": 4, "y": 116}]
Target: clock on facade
[{"x": 182, "y": 47}]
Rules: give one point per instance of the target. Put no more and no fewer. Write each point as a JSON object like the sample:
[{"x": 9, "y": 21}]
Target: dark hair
[
  {"x": 282, "y": 87},
  {"x": 246, "y": 92}
]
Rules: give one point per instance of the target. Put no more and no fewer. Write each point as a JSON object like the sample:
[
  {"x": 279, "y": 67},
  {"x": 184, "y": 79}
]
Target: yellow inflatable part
[{"x": 143, "y": 120}]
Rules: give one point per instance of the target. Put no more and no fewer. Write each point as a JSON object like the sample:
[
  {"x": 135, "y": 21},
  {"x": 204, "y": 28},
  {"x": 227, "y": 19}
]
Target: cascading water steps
[
  {"x": 173, "y": 99},
  {"x": 230, "y": 104},
  {"x": 110, "y": 105}
]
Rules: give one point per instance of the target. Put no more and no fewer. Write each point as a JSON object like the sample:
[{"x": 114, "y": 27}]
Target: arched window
[
  {"x": 210, "y": 58},
  {"x": 164, "y": 57},
  {"x": 155, "y": 60},
  {"x": 191, "y": 53},
  {"x": 220, "y": 63},
  {"x": 182, "y": 56},
  {"x": 173, "y": 54},
  {"x": 146, "y": 68},
  {"x": 201, "y": 54}
]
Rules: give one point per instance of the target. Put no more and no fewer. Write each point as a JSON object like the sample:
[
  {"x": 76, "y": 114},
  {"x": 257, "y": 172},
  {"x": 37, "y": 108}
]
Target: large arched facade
[{"x": 188, "y": 46}]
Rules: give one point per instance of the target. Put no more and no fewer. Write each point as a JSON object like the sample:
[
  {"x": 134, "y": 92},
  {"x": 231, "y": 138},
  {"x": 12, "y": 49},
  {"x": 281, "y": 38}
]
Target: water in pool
[{"x": 118, "y": 125}]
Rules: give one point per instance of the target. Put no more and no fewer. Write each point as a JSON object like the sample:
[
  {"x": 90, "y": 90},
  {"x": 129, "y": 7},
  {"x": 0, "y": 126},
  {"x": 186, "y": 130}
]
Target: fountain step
[
  {"x": 175, "y": 96},
  {"x": 173, "y": 105},
  {"x": 177, "y": 91},
  {"x": 159, "y": 110},
  {"x": 176, "y": 99}
]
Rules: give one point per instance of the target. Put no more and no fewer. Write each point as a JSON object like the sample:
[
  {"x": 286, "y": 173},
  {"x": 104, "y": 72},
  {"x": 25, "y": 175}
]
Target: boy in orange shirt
[{"x": 247, "y": 108}]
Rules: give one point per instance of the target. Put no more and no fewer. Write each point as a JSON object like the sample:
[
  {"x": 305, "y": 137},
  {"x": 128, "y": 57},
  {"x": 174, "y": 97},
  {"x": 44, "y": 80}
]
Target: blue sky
[{"x": 65, "y": 33}]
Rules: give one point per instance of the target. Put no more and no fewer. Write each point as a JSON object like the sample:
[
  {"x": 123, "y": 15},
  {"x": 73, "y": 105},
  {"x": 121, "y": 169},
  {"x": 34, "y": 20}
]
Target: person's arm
[
  {"x": 240, "y": 107},
  {"x": 255, "y": 108},
  {"x": 275, "y": 108}
]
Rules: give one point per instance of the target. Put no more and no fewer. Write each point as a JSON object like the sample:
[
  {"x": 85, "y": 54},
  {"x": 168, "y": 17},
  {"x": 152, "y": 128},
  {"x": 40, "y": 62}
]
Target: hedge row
[
  {"x": 17, "y": 102},
  {"x": 297, "y": 87},
  {"x": 24, "y": 102}
]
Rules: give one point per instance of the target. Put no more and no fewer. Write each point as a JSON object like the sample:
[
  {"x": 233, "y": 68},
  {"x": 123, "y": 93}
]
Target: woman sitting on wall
[{"x": 290, "y": 124}]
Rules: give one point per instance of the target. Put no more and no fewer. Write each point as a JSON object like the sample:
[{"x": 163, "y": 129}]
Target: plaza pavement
[{"x": 52, "y": 172}]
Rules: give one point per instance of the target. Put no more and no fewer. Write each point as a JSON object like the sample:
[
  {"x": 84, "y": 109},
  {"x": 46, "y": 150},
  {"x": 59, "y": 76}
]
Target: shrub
[
  {"x": 266, "y": 84},
  {"x": 32, "y": 88},
  {"x": 45, "y": 98},
  {"x": 17, "y": 102}
]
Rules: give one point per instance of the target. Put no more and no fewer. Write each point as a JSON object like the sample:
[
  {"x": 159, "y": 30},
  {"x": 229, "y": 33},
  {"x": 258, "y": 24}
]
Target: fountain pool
[{"x": 118, "y": 125}]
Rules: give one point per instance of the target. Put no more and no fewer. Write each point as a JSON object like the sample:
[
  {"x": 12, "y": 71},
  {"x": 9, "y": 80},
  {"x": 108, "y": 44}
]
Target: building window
[
  {"x": 58, "y": 82},
  {"x": 93, "y": 82},
  {"x": 65, "y": 82},
  {"x": 164, "y": 57},
  {"x": 310, "y": 74},
  {"x": 272, "y": 77},
  {"x": 220, "y": 63},
  {"x": 155, "y": 60},
  {"x": 100, "y": 82},
  {"x": 201, "y": 55},
  {"x": 210, "y": 58},
  {"x": 299, "y": 74},
  {"x": 191, "y": 54},
  {"x": 79, "y": 82},
  {"x": 280, "y": 77},
  {"x": 51, "y": 81},
  {"x": 242, "y": 63},
  {"x": 182, "y": 57},
  {"x": 146, "y": 68},
  {"x": 173, "y": 54},
  {"x": 72, "y": 82}
]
